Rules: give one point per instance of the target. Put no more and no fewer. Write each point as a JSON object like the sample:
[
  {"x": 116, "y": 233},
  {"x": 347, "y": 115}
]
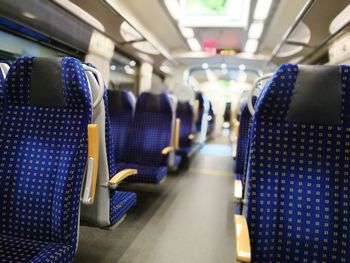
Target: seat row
[
  {"x": 294, "y": 168},
  {"x": 63, "y": 134}
]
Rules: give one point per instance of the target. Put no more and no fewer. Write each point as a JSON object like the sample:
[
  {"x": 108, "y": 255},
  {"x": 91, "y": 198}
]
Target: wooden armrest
[
  {"x": 238, "y": 193},
  {"x": 116, "y": 179},
  {"x": 191, "y": 136},
  {"x": 167, "y": 150},
  {"x": 242, "y": 239},
  {"x": 177, "y": 133},
  {"x": 92, "y": 165}
]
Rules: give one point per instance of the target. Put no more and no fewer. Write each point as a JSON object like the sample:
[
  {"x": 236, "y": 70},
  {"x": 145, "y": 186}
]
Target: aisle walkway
[{"x": 187, "y": 219}]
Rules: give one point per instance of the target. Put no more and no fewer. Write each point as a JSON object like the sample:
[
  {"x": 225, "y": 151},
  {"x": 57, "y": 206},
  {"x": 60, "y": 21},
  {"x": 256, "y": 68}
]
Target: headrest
[
  {"x": 316, "y": 96},
  {"x": 47, "y": 82},
  {"x": 154, "y": 103},
  {"x": 304, "y": 94},
  {"x": 120, "y": 100},
  {"x": 184, "y": 107}
]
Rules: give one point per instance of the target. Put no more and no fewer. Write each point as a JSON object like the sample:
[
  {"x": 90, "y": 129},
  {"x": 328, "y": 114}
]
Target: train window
[
  {"x": 123, "y": 73},
  {"x": 13, "y": 46}
]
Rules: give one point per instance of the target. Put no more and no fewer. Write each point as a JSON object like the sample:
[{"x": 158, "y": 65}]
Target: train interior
[{"x": 168, "y": 131}]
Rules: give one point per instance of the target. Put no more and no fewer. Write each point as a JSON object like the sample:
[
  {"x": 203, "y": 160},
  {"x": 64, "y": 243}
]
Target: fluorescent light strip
[
  {"x": 186, "y": 31},
  {"x": 194, "y": 44},
  {"x": 262, "y": 9},
  {"x": 174, "y": 8},
  {"x": 251, "y": 45},
  {"x": 255, "y": 30}
]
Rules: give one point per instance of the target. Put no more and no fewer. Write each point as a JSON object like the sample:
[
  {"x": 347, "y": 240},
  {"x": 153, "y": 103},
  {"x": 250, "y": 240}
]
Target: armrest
[
  {"x": 191, "y": 136},
  {"x": 238, "y": 191},
  {"x": 92, "y": 165},
  {"x": 116, "y": 179},
  {"x": 242, "y": 239},
  {"x": 167, "y": 150},
  {"x": 177, "y": 133}
]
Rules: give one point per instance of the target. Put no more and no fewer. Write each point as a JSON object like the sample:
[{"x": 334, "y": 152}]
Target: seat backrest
[
  {"x": 184, "y": 112},
  {"x": 243, "y": 141},
  {"x": 121, "y": 107},
  {"x": 151, "y": 130},
  {"x": 199, "y": 97},
  {"x": 43, "y": 139},
  {"x": 299, "y": 177}
]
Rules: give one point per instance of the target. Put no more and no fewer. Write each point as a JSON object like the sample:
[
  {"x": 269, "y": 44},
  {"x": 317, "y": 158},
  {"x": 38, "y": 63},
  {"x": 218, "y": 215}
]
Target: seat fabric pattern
[
  {"x": 43, "y": 159},
  {"x": 120, "y": 202},
  {"x": 184, "y": 112},
  {"x": 299, "y": 179},
  {"x": 17, "y": 250}
]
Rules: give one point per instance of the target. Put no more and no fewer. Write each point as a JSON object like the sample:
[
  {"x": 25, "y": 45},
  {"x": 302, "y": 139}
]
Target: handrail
[
  {"x": 251, "y": 93},
  {"x": 100, "y": 83}
]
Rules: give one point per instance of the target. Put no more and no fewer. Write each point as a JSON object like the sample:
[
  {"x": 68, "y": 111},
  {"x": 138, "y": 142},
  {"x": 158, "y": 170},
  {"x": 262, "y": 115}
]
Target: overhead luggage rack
[{"x": 318, "y": 25}]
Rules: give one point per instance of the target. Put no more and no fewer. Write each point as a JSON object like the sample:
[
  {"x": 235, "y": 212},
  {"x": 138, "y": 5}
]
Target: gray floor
[{"x": 187, "y": 218}]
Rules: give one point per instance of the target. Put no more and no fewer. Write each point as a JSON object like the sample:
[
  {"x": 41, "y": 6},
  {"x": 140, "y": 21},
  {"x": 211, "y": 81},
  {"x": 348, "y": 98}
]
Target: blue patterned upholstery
[
  {"x": 150, "y": 134},
  {"x": 243, "y": 142},
  {"x": 42, "y": 166},
  {"x": 118, "y": 118},
  {"x": 298, "y": 206},
  {"x": 184, "y": 112}
]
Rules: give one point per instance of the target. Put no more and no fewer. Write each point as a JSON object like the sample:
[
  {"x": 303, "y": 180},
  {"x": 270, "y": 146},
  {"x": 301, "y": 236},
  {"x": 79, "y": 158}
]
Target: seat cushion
[
  {"x": 146, "y": 174},
  {"x": 120, "y": 204},
  {"x": 18, "y": 250}
]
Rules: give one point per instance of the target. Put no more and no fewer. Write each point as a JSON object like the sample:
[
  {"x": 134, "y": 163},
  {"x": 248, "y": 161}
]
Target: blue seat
[
  {"x": 113, "y": 117},
  {"x": 198, "y": 124},
  {"x": 211, "y": 120},
  {"x": 119, "y": 116},
  {"x": 184, "y": 112},
  {"x": 150, "y": 133},
  {"x": 299, "y": 197},
  {"x": 44, "y": 147}
]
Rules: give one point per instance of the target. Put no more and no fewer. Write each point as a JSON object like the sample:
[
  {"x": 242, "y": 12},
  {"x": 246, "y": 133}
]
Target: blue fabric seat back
[
  {"x": 243, "y": 141},
  {"x": 299, "y": 177},
  {"x": 184, "y": 112},
  {"x": 121, "y": 107},
  {"x": 199, "y": 97},
  {"x": 151, "y": 130},
  {"x": 44, "y": 149}
]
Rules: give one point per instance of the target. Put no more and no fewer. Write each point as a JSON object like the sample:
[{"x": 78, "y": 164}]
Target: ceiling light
[
  {"x": 186, "y": 31},
  {"x": 174, "y": 8},
  {"x": 113, "y": 67},
  {"x": 251, "y": 45},
  {"x": 28, "y": 15},
  {"x": 132, "y": 63},
  {"x": 255, "y": 30},
  {"x": 223, "y": 66},
  {"x": 129, "y": 70},
  {"x": 241, "y": 67},
  {"x": 262, "y": 9},
  {"x": 194, "y": 44},
  {"x": 205, "y": 66}
]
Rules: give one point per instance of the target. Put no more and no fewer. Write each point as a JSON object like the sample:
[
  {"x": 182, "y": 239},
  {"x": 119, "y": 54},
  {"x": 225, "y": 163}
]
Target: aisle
[{"x": 187, "y": 219}]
